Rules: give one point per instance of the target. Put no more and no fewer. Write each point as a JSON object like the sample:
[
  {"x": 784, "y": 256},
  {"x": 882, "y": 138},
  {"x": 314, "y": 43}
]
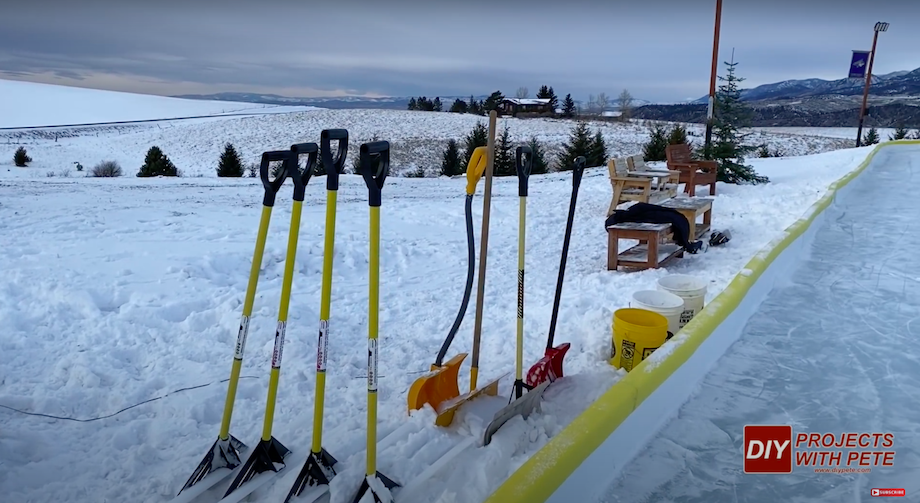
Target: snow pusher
[
  {"x": 320, "y": 465},
  {"x": 447, "y": 409},
  {"x": 375, "y": 164},
  {"x": 441, "y": 384},
  {"x": 269, "y": 453},
  {"x": 520, "y": 403},
  {"x": 549, "y": 368},
  {"x": 224, "y": 455}
]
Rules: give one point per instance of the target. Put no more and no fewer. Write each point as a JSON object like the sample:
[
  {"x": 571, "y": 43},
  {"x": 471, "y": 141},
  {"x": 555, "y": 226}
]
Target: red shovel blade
[{"x": 549, "y": 367}]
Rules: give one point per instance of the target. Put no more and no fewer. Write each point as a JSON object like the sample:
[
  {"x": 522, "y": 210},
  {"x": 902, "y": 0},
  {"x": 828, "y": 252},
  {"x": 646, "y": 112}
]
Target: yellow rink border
[{"x": 538, "y": 478}]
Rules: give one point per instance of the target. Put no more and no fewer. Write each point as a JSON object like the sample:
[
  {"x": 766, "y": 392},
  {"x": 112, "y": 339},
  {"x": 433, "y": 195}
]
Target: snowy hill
[{"x": 30, "y": 104}]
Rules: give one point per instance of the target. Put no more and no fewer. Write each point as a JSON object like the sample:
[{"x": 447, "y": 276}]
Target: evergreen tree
[
  {"x": 156, "y": 163},
  {"x": 899, "y": 134},
  {"x": 546, "y": 92},
  {"x": 598, "y": 153},
  {"x": 678, "y": 136},
  {"x": 478, "y": 137},
  {"x": 655, "y": 148},
  {"x": 543, "y": 93},
  {"x": 871, "y": 137},
  {"x": 436, "y": 106},
  {"x": 492, "y": 101},
  {"x": 459, "y": 107},
  {"x": 450, "y": 162},
  {"x": 539, "y": 165},
  {"x": 580, "y": 143},
  {"x": 230, "y": 163},
  {"x": 475, "y": 107},
  {"x": 731, "y": 115},
  {"x": 503, "y": 164},
  {"x": 21, "y": 158},
  {"x": 568, "y": 106},
  {"x": 413, "y": 105}
]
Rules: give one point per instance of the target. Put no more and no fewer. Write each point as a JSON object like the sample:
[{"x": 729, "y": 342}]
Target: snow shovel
[
  {"x": 375, "y": 163},
  {"x": 549, "y": 368},
  {"x": 520, "y": 403},
  {"x": 441, "y": 384},
  {"x": 320, "y": 465},
  {"x": 269, "y": 453},
  {"x": 447, "y": 409},
  {"x": 225, "y": 451}
]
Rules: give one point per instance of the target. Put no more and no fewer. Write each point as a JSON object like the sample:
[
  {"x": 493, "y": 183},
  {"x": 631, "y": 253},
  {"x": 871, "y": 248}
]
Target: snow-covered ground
[
  {"x": 115, "y": 291},
  {"x": 848, "y": 133},
  {"x": 29, "y": 104}
]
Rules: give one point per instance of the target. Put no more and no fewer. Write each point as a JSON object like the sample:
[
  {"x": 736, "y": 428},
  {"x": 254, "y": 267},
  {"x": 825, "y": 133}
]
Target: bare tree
[
  {"x": 625, "y": 101},
  {"x": 522, "y": 92},
  {"x": 590, "y": 104},
  {"x": 602, "y": 102}
]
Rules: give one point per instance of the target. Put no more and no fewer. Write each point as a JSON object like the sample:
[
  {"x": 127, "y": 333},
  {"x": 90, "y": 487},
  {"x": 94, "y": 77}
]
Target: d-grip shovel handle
[
  {"x": 272, "y": 186},
  {"x": 479, "y": 160},
  {"x": 302, "y": 177},
  {"x": 578, "y": 170},
  {"x": 375, "y": 165},
  {"x": 334, "y": 165},
  {"x": 523, "y": 160}
]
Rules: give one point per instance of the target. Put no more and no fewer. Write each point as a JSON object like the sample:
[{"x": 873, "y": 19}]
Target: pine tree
[
  {"x": 156, "y": 163},
  {"x": 493, "y": 101},
  {"x": 478, "y": 137},
  {"x": 871, "y": 137},
  {"x": 546, "y": 92},
  {"x": 579, "y": 144},
  {"x": 459, "y": 107},
  {"x": 899, "y": 134},
  {"x": 436, "y": 106},
  {"x": 504, "y": 164},
  {"x": 731, "y": 115},
  {"x": 597, "y": 156},
  {"x": 450, "y": 161},
  {"x": 230, "y": 163},
  {"x": 656, "y": 147},
  {"x": 539, "y": 165},
  {"x": 475, "y": 107},
  {"x": 678, "y": 136},
  {"x": 21, "y": 158},
  {"x": 413, "y": 105},
  {"x": 568, "y": 106}
]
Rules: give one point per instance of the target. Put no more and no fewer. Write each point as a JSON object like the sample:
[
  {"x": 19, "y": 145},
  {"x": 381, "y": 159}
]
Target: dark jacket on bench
[{"x": 654, "y": 214}]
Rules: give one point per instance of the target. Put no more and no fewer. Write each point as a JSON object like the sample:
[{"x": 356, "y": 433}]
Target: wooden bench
[
  {"x": 693, "y": 208},
  {"x": 646, "y": 187},
  {"x": 692, "y": 172},
  {"x": 655, "y": 247}
]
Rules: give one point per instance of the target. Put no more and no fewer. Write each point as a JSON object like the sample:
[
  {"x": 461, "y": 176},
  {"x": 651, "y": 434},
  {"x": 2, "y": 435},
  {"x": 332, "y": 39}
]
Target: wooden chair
[
  {"x": 692, "y": 172},
  {"x": 667, "y": 183},
  {"x": 641, "y": 187}
]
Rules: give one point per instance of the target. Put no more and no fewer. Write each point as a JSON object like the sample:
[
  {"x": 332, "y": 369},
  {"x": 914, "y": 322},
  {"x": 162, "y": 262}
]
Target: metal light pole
[
  {"x": 879, "y": 27},
  {"x": 712, "y": 77}
]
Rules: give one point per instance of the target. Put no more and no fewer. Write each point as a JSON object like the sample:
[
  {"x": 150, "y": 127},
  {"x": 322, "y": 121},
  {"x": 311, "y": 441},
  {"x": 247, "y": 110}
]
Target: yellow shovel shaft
[
  {"x": 519, "y": 361},
  {"x": 287, "y": 280},
  {"x": 325, "y": 301},
  {"x": 373, "y": 307},
  {"x": 261, "y": 235}
]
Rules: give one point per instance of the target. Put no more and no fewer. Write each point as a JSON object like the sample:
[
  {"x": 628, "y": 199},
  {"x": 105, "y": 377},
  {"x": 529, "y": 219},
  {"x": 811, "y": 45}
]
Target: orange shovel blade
[
  {"x": 549, "y": 368},
  {"x": 437, "y": 386}
]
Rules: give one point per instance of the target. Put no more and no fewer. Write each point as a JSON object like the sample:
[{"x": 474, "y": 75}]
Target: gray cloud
[{"x": 659, "y": 50}]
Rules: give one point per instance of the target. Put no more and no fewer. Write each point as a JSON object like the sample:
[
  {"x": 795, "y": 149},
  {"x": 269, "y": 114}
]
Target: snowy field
[
  {"x": 848, "y": 133},
  {"x": 29, "y": 104},
  {"x": 117, "y": 291}
]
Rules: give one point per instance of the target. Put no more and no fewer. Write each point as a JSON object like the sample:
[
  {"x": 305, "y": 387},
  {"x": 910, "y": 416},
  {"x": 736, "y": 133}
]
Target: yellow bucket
[{"x": 636, "y": 334}]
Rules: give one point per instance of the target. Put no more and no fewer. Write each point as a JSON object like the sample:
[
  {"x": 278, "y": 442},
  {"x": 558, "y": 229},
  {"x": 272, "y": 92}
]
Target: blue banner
[{"x": 858, "y": 64}]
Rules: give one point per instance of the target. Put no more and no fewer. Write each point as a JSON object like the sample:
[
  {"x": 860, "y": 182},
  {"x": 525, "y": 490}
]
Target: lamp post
[
  {"x": 879, "y": 27},
  {"x": 712, "y": 78}
]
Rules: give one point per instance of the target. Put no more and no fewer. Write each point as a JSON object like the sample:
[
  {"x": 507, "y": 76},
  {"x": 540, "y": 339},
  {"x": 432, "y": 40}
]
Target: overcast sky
[{"x": 658, "y": 49}]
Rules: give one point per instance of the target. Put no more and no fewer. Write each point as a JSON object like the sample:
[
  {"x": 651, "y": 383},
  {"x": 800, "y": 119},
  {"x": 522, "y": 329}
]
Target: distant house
[{"x": 515, "y": 106}]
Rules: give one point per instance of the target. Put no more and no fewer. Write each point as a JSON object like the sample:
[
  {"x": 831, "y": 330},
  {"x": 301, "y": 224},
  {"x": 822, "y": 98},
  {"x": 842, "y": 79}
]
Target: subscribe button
[{"x": 888, "y": 492}]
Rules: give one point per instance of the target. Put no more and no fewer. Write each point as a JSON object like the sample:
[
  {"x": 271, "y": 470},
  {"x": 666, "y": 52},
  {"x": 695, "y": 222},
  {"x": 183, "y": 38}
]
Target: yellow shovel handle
[{"x": 476, "y": 167}]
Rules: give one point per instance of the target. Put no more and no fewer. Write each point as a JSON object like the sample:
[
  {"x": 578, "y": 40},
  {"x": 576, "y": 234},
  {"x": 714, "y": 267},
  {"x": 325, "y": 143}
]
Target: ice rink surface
[{"x": 834, "y": 349}]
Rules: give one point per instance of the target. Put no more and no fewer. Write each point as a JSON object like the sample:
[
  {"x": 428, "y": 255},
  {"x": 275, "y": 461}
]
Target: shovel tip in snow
[{"x": 549, "y": 368}]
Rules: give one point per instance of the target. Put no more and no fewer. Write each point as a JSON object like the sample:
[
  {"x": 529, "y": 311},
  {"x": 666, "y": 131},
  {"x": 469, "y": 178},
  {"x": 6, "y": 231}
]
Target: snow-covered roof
[{"x": 528, "y": 101}]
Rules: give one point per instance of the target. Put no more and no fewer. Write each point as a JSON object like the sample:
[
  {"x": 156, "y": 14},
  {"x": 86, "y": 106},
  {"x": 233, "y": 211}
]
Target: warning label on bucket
[
  {"x": 685, "y": 317},
  {"x": 647, "y": 351},
  {"x": 629, "y": 351}
]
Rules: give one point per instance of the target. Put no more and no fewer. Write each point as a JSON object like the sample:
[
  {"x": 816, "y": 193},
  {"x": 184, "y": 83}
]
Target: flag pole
[
  {"x": 712, "y": 80},
  {"x": 879, "y": 27}
]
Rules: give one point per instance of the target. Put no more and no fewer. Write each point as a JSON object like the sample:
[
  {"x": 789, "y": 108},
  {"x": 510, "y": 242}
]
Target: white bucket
[
  {"x": 666, "y": 304},
  {"x": 689, "y": 288}
]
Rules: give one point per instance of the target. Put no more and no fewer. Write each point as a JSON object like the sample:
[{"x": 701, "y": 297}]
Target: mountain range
[{"x": 894, "y": 99}]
